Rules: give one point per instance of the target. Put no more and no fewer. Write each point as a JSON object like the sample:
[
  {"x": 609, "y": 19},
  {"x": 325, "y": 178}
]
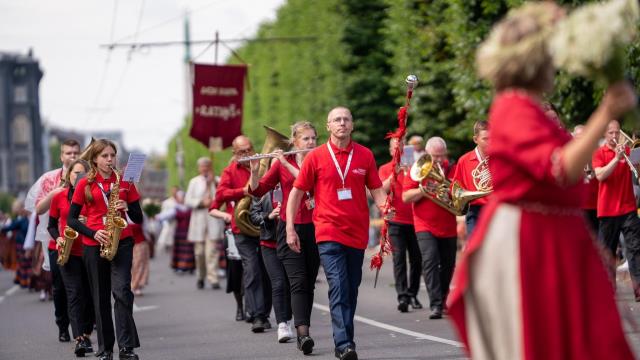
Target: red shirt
[
  {"x": 231, "y": 188},
  {"x": 279, "y": 174},
  {"x": 591, "y": 195},
  {"x": 343, "y": 221},
  {"x": 60, "y": 209},
  {"x": 429, "y": 216},
  {"x": 404, "y": 212},
  {"x": 96, "y": 210},
  {"x": 466, "y": 164},
  {"x": 615, "y": 193}
]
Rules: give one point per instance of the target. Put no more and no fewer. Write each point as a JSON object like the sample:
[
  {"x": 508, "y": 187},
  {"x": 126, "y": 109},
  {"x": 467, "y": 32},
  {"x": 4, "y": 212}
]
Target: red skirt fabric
[{"x": 544, "y": 294}]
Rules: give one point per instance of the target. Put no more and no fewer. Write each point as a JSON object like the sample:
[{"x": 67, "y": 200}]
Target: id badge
[
  {"x": 344, "y": 194},
  {"x": 310, "y": 203},
  {"x": 104, "y": 220}
]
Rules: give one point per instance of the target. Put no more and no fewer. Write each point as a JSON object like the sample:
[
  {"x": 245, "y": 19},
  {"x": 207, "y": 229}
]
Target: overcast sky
[{"x": 142, "y": 92}]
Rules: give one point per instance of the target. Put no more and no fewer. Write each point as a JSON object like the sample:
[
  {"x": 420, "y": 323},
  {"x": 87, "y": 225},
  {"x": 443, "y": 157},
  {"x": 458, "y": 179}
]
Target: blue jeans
[
  {"x": 343, "y": 268},
  {"x": 472, "y": 218}
]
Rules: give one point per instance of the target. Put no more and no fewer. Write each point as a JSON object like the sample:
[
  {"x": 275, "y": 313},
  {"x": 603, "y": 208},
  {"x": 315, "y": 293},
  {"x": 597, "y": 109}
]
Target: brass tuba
[
  {"x": 114, "y": 223},
  {"x": 452, "y": 197},
  {"x": 274, "y": 140}
]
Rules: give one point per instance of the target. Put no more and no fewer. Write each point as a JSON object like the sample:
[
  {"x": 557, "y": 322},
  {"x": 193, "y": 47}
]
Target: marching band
[{"x": 541, "y": 210}]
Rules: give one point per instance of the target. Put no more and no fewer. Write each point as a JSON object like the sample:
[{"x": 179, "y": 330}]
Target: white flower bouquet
[{"x": 591, "y": 41}]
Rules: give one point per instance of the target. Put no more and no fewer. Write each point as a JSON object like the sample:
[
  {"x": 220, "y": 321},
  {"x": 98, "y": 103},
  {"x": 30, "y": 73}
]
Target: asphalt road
[{"x": 176, "y": 321}]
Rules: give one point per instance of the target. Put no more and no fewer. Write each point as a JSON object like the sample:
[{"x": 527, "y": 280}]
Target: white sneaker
[{"x": 284, "y": 332}]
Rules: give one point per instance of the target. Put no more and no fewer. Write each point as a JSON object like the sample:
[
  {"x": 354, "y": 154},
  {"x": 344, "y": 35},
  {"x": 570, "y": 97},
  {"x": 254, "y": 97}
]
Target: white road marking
[
  {"x": 9, "y": 292},
  {"x": 396, "y": 329},
  {"x": 137, "y": 308}
]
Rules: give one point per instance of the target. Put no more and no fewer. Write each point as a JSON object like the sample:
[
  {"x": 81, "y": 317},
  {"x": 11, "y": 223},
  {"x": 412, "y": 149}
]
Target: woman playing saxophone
[
  {"x": 105, "y": 198},
  {"x": 72, "y": 269}
]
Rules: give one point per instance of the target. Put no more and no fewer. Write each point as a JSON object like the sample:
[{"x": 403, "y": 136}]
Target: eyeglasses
[{"x": 244, "y": 151}]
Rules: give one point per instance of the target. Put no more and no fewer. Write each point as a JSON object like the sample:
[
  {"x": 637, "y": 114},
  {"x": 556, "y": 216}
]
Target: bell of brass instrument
[
  {"x": 452, "y": 197},
  {"x": 274, "y": 140},
  {"x": 114, "y": 223},
  {"x": 69, "y": 236}
]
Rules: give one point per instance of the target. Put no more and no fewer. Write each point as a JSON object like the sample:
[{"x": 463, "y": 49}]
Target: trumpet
[
  {"x": 624, "y": 154},
  {"x": 271, "y": 155}
]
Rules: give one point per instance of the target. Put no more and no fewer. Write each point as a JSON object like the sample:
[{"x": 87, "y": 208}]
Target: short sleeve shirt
[
  {"x": 60, "y": 209},
  {"x": 615, "y": 193},
  {"x": 342, "y": 221},
  {"x": 96, "y": 209}
]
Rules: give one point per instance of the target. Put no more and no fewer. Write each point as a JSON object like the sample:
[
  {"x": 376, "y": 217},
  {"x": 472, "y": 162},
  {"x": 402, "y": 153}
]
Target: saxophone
[
  {"x": 114, "y": 223},
  {"x": 69, "y": 235}
]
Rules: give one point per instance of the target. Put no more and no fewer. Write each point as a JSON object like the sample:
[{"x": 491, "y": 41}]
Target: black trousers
[
  {"x": 592, "y": 219},
  {"x": 78, "y": 291},
  {"x": 60, "y": 305},
  {"x": 403, "y": 238},
  {"x": 280, "y": 293},
  {"x": 108, "y": 278},
  {"x": 254, "y": 278},
  {"x": 629, "y": 225},
  {"x": 438, "y": 262},
  {"x": 302, "y": 269}
]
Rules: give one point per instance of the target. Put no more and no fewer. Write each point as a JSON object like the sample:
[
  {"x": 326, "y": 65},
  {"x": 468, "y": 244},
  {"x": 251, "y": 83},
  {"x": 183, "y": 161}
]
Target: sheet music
[
  {"x": 134, "y": 167},
  {"x": 635, "y": 156}
]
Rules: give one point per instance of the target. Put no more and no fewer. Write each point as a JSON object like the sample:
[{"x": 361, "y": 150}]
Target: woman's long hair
[
  {"x": 67, "y": 175},
  {"x": 96, "y": 148}
]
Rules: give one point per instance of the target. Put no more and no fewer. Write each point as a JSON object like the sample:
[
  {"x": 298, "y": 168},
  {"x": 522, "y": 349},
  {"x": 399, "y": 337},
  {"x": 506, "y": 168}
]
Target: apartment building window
[{"x": 21, "y": 130}]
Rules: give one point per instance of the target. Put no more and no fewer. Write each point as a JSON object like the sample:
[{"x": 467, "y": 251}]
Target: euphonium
[
  {"x": 274, "y": 140},
  {"x": 452, "y": 197},
  {"x": 114, "y": 223},
  {"x": 69, "y": 235}
]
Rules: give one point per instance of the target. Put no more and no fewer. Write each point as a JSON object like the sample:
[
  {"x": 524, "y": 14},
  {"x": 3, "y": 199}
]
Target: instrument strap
[{"x": 343, "y": 176}]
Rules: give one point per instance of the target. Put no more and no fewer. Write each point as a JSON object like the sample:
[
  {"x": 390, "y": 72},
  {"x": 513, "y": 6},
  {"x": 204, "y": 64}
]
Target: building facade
[{"x": 21, "y": 130}]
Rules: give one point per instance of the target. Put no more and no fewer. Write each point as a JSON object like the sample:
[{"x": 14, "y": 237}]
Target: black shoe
[
  {"x": 105, "y": 355},
  {"x": 239, "y": 314},
  {"x": 267, "y": 324},
  {"x": 436, "y": 313},
  {"x": 215, "y": 286},
  {"x": 87, "y": 344},
  {"x": 413, "y": 301},
  {"x": 248, "y": 318},
  {"x": 127, "y": 353},
  {"x": 80, "y": 351},
  {"x": 305, "y": 344},
  {"x": 403, "y": 306},
  {"x": 258, "y": 325},
  {"x": 347, "y": 354},
  {"x": 200, "y": 284},
  {"x": 63, "y": 335}
]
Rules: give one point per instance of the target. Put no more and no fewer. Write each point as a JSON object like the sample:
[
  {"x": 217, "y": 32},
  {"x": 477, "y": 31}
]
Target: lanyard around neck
[
  {"x": 343, "y": 176},
  {"x": 105, "y": 194}
]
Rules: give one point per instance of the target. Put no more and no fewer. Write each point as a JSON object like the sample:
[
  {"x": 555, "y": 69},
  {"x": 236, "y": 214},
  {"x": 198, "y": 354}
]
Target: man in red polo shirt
[
  {"x": 233, "y": 186},
  {"x": 471, "y": 170},
  {"x": 616, "y": 202},
  {"x": 403, "y": 237},
  {"x": 338, "y": 173},
  {"x": 436, "y": 232}
]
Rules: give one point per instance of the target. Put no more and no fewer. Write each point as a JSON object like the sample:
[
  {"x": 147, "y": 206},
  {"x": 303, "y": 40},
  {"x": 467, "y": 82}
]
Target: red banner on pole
[{"x": 217, "y": 102}]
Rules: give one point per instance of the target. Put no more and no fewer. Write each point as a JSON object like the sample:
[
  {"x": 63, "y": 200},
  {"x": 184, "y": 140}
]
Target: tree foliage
[{"x": 360, "y": 55}]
